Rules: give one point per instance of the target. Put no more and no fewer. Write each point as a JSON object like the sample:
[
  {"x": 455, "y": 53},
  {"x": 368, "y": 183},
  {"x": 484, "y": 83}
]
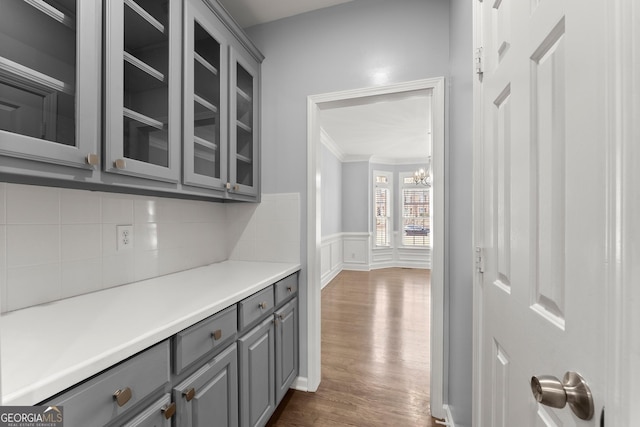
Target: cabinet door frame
[
  {"x": 236, "y": 57},
  {"x": 287, "y": 315},
  {"x": 203, "y": 379},
  {"x": 87, "y": 97},
  {"x": 114, "y": 96},
  {"x": 196, "y": 10},
  {"x": 261, "y": 335}
]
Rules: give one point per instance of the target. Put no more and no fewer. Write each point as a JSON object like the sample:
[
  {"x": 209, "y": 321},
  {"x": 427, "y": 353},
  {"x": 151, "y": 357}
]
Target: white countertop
[{"x": 48, "y": 348}]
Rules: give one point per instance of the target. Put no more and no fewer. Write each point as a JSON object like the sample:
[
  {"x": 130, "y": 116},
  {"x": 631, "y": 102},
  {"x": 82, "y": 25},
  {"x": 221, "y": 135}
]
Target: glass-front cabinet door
[
  {"x": 50, "y": 54},
  {"x": 205, "y": 98},
  {"x": 142, "y": 88},
  {"x": 244, "y": 120}
]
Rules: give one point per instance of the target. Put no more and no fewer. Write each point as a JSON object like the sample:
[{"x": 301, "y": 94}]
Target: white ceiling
[
  {"x": 253, "y": 12},
  {"x": 391, "y": 128}
]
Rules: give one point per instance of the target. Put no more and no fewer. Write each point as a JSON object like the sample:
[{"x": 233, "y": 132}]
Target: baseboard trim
[
  {"x": 448, "y": 418},
  {"x": 330, "y": 276},
  {"x": 300, "y": 384}
]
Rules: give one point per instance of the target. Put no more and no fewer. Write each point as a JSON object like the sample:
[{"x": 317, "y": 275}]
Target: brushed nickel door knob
[{"x": 573, "y": 389}]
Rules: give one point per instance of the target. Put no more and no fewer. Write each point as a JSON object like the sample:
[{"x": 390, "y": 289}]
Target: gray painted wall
[
  {"x": 334, "y": 49},
  {"x": 459, "y": 280},
  {"x": 331, "y": 193},
  {"x": 340, "y": 48},
  {"x": 356, "y": 197}
]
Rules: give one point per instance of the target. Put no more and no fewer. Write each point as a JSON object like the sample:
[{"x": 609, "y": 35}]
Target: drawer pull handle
[
  {"x": 289, "y": 289},
  {"x": 217, "y": 334},
  {"x": 122, "y": 396},
  {"x": 263, "y": 305},
  {"x": 189, "y": 394},
  {"x": 169, "y": 409}
]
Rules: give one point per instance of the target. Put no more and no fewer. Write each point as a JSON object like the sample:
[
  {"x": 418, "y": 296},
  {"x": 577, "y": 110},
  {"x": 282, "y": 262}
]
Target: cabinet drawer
[
  {"x": 286, "y": 288},
  {"x": 94, "y": 403},
  {"x": 201, "y": 338},
  {"x": 255, "y": 307},
  {"x": 155, "y": 414}
]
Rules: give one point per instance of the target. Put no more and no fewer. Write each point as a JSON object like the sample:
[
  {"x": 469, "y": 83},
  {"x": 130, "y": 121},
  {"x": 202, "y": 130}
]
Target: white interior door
[{"x": 540, "y": 118}]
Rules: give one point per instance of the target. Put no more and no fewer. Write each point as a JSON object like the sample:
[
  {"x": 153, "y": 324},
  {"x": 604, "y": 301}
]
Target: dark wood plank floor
[{"x": 375, "y": 354}]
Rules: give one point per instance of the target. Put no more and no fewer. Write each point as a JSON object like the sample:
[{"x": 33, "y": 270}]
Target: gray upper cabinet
[
  {"x": 50, "y": 81},
  {"x": 142, "y": 88},
  {"x": 245, "y": 121},
  {"x": 146, "y": 95},
  {"x": 205, "y": 98}
]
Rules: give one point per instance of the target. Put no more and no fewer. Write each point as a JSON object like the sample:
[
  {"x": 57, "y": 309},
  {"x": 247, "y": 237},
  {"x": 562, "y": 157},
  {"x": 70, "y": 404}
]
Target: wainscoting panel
[{"x": 355, "y": 251}]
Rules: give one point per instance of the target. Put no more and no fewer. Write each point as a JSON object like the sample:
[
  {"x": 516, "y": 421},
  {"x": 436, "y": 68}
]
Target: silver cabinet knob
[
  {"x": 263, "y": 305},
  {"x": 573, "y": 389}
]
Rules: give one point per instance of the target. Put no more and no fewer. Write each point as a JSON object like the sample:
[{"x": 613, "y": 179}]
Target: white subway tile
[
  {"x": 3, "y": 210},
  {"x": 146, "y": 210},
  {"x": 147, "y": 265},
  {"x": 81, "y": 277},
  {"x": 117, "y": 270},
  {"x": 32, "y": 245},
  {"x": 145, "y": 237},
  {"x": 29, "y": 204},
  {"x": 3, "y": 268},
  {"x": 117, "y": 210},
  {"x": 28, "y": 286},
  {"x": 109, "y": 239},
  {"x": 80, "y": 207},
  {"x": 80, "y": 241}
]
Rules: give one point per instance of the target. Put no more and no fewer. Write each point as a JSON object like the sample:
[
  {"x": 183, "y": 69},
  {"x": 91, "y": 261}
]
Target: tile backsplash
[{"x": 57, "y": 243}]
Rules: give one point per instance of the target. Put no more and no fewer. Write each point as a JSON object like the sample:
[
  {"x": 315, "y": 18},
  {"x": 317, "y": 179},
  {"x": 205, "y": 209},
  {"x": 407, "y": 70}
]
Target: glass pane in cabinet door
[
  {"x": 206, "y": 88},
  {"x": 244, "y": 127},
  {"x": 146, "y": 93},
  {"x": 206, "y": 150},
  {"x": 38, "y": 69}
]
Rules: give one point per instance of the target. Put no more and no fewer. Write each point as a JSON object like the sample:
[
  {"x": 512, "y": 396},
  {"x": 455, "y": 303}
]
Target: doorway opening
[{"x": 315, "y": 103}]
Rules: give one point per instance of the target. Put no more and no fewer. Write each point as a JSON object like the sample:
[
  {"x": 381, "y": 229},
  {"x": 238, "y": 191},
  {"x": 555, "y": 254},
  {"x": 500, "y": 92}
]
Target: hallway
[{"x": 375, "y": 354}]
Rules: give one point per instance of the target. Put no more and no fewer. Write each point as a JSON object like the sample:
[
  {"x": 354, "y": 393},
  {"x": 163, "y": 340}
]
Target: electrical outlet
[{"x": 124, "y": 237}]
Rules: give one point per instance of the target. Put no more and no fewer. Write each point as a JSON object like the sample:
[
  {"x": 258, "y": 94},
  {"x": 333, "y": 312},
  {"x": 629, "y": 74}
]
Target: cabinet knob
[
  {"x": 227, "y": 186},
  {"x": 236, "y": 187},
  {"x": 122, "y": 396},
  {"x": 289, "y": 289},
  {"x": 92, "y": 159},
  {"x": 217, "y": 334},
  {"x": 189, "y": 394},
  {"x": 120, "y": 164},
  {"x": 263, "y": 305},
  {"x": 169, "y": 409}
]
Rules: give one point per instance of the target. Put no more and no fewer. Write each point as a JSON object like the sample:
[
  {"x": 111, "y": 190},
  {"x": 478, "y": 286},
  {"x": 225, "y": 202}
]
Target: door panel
[{"x": 542, "y": 218}]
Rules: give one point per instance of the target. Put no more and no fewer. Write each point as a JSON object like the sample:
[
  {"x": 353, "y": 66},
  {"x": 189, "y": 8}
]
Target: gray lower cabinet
[
  {"x": 257, "y": 378},
  {"x": 286, "y": 329},
  {"x": 218, "y": 380},
  {"x": 118, "y": 393},
  {"x": 209, "y": 397}
]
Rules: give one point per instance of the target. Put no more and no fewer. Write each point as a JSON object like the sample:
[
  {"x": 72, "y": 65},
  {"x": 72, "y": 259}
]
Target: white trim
[
  {"x": 437, "y": 88},
  {"x": 331, "y": 145},
  {"x": 448, "y": 418},
  {"x": 477, "y": 222},
  {"x": 300, "y": 384},
  {"x": 621, "y": 111},
  {"x": 331, "y": 251}
]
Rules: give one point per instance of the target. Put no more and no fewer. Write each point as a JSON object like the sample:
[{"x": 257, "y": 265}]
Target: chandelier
[{"x": 422, "y": 176}]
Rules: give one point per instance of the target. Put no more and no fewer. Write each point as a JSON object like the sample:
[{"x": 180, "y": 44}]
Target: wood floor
[{"x": 375, "y": 354}]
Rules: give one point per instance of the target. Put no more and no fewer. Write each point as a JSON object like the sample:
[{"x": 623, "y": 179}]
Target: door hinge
[
  {"x": 478, "y": 60},
  {"x": 479, "y": 260}
]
